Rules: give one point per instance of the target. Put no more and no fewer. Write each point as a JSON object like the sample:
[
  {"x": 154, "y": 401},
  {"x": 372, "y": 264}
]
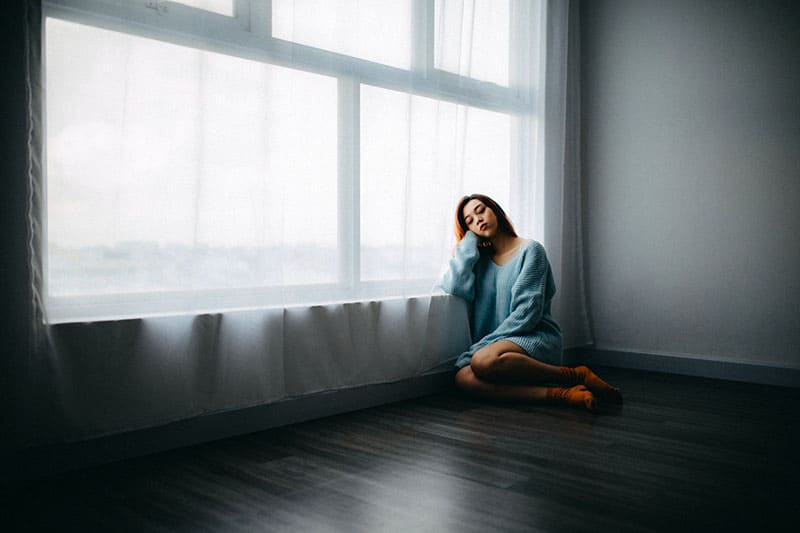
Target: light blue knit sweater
[{"x": 509, "y": 302}]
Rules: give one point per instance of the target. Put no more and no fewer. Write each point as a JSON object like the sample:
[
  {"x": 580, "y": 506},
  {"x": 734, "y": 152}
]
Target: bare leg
[
  {"x": 467, "y": 381},
  {"x": 578, "y": 396},
  {"x": 506, "y": 362}
]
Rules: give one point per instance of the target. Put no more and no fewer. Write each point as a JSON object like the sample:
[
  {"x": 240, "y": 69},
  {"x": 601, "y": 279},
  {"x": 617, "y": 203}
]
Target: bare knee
[
  {"x": 484, "y": 361},
  {"x": 498, "y": 361}
]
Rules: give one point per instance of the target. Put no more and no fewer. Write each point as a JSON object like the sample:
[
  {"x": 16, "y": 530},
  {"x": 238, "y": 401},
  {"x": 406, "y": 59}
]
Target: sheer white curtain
[
  {"x": 212, "y": 180},
  {"x": 561, "y": 170}
]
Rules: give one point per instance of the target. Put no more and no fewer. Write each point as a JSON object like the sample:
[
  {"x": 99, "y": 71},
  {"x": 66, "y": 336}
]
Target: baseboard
[
  {"x": 49, "y": 460},
  {"x": 687, "y": 365}
]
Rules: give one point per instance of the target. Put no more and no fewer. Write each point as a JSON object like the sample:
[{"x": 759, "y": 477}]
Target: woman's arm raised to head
[{"x": 459, "y": 280}]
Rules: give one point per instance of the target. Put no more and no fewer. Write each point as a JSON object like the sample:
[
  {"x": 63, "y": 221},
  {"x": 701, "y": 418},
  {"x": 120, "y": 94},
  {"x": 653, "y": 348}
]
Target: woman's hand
[{"x": 483, "y": 244}]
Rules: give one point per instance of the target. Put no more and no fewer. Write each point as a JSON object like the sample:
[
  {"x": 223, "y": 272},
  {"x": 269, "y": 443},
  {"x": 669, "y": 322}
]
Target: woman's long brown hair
[{"x": 502, "y": 219}]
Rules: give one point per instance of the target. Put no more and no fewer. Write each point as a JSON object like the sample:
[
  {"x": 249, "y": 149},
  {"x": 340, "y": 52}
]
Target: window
[{"x": 208, "y": 155}]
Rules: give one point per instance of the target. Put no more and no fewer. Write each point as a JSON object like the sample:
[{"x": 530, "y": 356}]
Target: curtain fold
[
  {"x": 132, "y": 374},
  {"x": 561, "y": 168},
  {"x": 34, "y": 177}
]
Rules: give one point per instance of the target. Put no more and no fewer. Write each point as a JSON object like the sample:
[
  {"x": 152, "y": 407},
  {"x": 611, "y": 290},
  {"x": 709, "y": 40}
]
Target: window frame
[{"x": 247, "y": 35}]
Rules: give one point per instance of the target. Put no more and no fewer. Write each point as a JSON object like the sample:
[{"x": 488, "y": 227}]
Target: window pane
[
  {"x": 376, "y": 30},
  {"x": 413, "y": 150},
  {"x": 170, "y": 168},
  {"x": 472, "y": 38},
  {"x": 223, "y": 7}
]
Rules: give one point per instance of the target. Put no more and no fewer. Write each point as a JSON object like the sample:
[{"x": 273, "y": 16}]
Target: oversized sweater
[{"x": 509, "y": 302}]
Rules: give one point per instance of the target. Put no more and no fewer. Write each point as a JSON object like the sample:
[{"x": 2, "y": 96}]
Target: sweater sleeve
[
  {"x": 528, "y": 296},
  {"x": 459, "y": 280}
]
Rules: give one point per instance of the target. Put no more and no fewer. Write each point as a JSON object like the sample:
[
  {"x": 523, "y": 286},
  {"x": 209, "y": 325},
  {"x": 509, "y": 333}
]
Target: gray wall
[{"x": 691, "y": 166}]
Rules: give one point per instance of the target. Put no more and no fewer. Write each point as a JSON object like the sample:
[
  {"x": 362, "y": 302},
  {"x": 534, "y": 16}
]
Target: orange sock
[
  {"x": 583, "y": 376},
  {"x": 577, "y": 396}
]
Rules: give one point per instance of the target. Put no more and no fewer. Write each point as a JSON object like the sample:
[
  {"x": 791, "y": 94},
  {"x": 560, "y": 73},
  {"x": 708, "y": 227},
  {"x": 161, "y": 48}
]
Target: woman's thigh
[
  {"x": 485, "y": 358},
  {"x": 497, "y": 348}
]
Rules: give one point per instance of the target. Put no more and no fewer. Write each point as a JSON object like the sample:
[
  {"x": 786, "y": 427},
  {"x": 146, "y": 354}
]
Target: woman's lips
[{"x": 484, "y": 226}]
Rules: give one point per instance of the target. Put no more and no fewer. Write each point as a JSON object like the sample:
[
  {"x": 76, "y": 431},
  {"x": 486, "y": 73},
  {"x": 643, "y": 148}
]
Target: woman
[{"x": 506, "y": 281}]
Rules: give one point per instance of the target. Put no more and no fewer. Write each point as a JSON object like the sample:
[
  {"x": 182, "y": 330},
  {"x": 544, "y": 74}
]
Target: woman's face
[{"x": 480, "y": 219}]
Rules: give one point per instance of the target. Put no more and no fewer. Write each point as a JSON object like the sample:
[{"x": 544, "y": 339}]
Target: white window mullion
[
  {"x": 521, "y": 82},
  {"x": 171, "y": 21},
  {"x": 349, "y": 196},
  {"x": 260, "y": 17},
  {"x": 423, "y": 37},
  {"x": 241, "y": 12},
  {"x": 181, "y": 25},
  {"x": 523, "y": 57}
]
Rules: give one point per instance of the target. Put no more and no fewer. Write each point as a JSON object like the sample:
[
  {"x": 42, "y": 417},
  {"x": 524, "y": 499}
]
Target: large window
[{"x": 207, "y": 155}]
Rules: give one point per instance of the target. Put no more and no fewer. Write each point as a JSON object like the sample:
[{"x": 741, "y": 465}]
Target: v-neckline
[{"x": 511, "y": 259}]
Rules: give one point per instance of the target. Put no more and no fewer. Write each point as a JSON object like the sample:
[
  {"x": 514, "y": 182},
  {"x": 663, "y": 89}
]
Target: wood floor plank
[{"x": 682, "y": 454}]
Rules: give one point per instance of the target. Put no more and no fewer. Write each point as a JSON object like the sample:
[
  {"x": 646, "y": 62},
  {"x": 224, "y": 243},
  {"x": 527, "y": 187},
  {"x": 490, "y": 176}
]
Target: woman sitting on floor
[{"x": 507, "y": 283}]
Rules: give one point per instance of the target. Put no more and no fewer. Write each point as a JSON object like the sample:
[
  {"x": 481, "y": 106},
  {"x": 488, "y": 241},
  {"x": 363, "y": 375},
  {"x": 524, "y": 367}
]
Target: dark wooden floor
[{"x": 683, "y": 454}]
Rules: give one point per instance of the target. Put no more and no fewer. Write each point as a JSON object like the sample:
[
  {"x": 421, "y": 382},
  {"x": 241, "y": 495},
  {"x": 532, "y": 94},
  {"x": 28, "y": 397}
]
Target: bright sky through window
[
  {"x": 170, "y": 148},
  {"x": 150, "y": 130}
]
